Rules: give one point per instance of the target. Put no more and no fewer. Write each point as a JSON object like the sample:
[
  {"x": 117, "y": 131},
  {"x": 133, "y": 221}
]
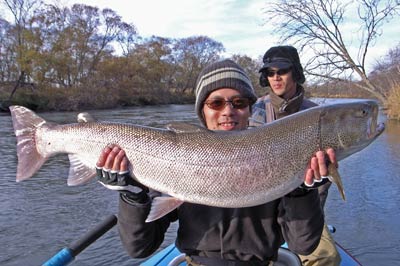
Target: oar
[{"x": 66, "y": 255}]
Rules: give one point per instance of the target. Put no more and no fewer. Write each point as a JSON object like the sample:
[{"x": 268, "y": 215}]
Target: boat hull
[{"x": 170, "y": 255}]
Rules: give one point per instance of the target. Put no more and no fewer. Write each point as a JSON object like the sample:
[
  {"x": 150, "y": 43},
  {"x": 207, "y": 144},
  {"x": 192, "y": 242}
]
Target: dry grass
[{"x": 393, "y": 103}]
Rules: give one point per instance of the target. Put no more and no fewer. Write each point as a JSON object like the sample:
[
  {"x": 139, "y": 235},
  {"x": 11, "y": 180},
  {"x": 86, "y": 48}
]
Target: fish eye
[{"x": 362, "y": 112}]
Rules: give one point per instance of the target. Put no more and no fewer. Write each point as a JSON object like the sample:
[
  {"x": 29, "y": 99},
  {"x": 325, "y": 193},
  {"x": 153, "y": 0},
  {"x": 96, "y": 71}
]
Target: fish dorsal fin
[
  {"x": 78, "y": 172},
  {"x": 180, "y": 127},
  {"x": 85, "y": 118},
  {"x": 161, "y": 206}
]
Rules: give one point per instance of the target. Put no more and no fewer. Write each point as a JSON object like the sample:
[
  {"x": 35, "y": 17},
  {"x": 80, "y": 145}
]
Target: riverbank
[
  {"x": 71, "y": 100},
  {"x": 85, "y": 99},
  {"x": 75, "y": 99}
]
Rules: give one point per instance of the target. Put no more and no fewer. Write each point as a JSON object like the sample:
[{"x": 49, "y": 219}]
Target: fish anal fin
[
  {"x": 335, "y": 178},
  {"x": 161, "y": 206},
  {"x": 79, "y": 173}
]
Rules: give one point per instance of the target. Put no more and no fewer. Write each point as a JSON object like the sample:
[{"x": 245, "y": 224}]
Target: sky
[{"x": 238, "y": 24}]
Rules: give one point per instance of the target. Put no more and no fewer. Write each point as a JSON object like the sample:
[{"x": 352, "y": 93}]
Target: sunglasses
[
  {"x": 279, "y": 72},
  {"x": 219, "y": 104}
]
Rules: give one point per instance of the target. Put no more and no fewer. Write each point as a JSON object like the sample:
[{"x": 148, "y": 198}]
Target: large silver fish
[{"x": 193, "y": 164}]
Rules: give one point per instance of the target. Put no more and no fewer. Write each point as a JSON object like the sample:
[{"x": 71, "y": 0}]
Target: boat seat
[{"x": 285, "y": 258}]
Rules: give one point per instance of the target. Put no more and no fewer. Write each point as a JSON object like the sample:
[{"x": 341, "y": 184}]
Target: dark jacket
[
  {"x": 272, "y": 107},
  {"x": 246, "y": 234}
]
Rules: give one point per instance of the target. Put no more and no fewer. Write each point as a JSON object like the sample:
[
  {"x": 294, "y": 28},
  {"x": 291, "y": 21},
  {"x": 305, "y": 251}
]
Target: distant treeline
[{"x": 60, "y": 58}]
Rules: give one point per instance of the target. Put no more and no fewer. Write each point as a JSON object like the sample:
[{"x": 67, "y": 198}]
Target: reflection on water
[{"x": 42, "y": 215}]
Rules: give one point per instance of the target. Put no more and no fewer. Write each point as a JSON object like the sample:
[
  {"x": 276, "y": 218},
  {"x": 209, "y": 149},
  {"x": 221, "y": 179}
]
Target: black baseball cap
[{"x": 283, "y": 57}]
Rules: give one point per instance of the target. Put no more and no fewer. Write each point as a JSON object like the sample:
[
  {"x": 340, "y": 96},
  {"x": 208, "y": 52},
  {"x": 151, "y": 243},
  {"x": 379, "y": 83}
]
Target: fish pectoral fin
[
  {"x": 180, "y": 127},
  {"x": 161, "y": 206},
  {"x": 79, "y": 173},
  {"x": 85, "y": 118},
  {"x": 335, "y": 178}
]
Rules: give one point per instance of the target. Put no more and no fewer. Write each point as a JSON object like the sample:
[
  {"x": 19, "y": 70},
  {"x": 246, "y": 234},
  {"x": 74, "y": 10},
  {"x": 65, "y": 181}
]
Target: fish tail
[
  {"x": 335, "y": 178},
  {"x": 25, "y": 123}
]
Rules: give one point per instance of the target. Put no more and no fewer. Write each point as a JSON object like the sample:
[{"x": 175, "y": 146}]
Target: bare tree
[
  {"x": 317, "y": 27},
  {"x": 251, "y": 67},
  {"x": 22, "y": 11},
  {"x": 191, "y": 55},
  {"x": 386, "y": 72}
]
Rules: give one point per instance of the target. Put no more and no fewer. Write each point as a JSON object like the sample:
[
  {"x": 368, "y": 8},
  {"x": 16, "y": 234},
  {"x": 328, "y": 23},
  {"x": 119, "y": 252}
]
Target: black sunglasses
[
  {"x": 280, "y": 72},
  {"x": 219, "y": 104}
]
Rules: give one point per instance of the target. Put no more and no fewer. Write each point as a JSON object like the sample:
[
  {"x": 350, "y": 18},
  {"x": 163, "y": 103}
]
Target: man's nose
[{"x": 228, "y": 107}]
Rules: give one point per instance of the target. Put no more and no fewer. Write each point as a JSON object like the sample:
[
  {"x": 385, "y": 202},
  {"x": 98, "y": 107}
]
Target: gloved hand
[
  {"x": 317, "y": 171},
  {"x": 123, "y": 183},
  {"x": 112, "y": 173}
]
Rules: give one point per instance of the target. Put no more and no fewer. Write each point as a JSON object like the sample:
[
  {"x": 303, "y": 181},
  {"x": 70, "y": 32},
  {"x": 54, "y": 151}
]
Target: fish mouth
[{"x": 374, "y": 130}]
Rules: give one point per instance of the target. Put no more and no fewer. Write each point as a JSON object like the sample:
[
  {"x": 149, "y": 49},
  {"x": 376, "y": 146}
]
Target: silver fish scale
[
  {"x": 224, "y": 169},
  {"x": 222, "y": 181}
]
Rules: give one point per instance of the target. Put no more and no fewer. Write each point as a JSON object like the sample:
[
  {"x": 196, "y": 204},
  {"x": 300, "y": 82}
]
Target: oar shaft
[
  {"x": 93, "y": 235},
  {"x": 63, "y": 257},
  {"x": 66, "y": 255}
]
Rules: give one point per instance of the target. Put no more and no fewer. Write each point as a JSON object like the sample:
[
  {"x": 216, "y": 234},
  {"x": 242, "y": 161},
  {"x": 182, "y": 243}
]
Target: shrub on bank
[
  {"x": 393, "y": 103},
  {"x": 86, "y": 98}
]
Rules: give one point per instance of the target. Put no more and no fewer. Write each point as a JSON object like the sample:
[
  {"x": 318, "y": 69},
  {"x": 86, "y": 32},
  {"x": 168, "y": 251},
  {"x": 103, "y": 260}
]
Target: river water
[{"x": 42, "y": 215}]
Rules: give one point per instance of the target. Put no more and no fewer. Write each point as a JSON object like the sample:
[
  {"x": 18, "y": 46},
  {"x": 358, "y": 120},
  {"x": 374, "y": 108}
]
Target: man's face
[
  {"x": 226, "y": 117},
  {"x": 282, "y": 82}
]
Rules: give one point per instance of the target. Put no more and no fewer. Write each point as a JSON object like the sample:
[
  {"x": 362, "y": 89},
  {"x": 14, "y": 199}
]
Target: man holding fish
[{"x": 213, "y": 235}]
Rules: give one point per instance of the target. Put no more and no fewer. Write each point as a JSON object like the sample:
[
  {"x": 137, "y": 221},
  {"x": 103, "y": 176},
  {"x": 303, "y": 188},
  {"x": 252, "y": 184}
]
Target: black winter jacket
[{"x": 246, "y": 234}]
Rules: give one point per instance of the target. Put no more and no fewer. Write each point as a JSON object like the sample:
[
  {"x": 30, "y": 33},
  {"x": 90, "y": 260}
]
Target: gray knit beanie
[{"x": 222, "y": 74}]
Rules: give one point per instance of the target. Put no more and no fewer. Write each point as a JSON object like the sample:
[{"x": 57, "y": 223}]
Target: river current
[{"x": 42, "y": 215}]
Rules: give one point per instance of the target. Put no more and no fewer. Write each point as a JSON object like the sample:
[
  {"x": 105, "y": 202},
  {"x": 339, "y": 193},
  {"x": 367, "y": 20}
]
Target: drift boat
[{"x": 171, "y": 256}]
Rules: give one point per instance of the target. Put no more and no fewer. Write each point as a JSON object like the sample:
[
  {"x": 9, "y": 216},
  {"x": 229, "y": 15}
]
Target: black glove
[
  {"x": 131, "y": 190},
  {"x": 304, "y": 189},
  {"x": 316, "y": 183}
]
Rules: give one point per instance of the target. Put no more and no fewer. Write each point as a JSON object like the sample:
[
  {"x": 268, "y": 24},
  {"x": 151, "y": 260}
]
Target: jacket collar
[{"x": 284, "y": 107}]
